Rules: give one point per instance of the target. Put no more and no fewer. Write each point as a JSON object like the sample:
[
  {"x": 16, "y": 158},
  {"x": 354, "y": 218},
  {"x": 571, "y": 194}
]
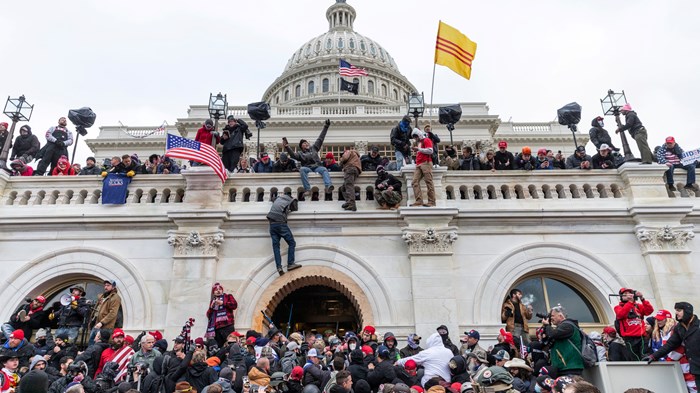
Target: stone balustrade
[{"x": 453, "y": 188}]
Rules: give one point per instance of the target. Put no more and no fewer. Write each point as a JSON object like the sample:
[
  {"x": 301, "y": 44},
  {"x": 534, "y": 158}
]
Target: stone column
[
  {"x": 196, "y": 243},
  {"x": 4, "y": 179},
  {"x": 663, "y": 238},
  {"x": 429, "y": 239}
]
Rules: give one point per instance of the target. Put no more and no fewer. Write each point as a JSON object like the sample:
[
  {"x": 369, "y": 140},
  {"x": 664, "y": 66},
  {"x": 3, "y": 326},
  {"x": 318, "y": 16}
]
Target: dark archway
[{"x": 317, "y": 308}]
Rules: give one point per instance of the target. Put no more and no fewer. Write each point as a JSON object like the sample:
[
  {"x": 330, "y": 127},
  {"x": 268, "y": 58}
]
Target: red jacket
[
  {"x": 632, "y": 327},
  {"x": 230, "y": 304},
  {"x": 426, "y": 143},
  {"x": 205, "y": 136}
]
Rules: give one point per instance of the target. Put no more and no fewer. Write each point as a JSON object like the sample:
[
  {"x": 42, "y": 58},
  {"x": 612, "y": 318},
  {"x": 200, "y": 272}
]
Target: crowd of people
[
  {"x": 228, "y": 361},
  {"x": 308, "y": 158}
]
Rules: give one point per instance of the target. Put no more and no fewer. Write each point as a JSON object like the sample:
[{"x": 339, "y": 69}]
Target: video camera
[{"x": 141, "y": 367}]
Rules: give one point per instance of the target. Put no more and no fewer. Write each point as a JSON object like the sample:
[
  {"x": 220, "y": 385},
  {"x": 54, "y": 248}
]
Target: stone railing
[{"x": 453, "y": 188}]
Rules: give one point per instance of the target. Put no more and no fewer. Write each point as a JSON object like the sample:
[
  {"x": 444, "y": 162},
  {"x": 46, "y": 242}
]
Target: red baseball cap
[
  {"x": 40, "y": 299},
  {"x": 235, "y": 333},
  {"x": 369, "y": 329},
  {"x": 663, "y": 314},
  {"x": 156, "y": 334},
  {"x": 250, "y": 341},
  {"x": 410, "y": 365},
  {"x": 609, "y": 330},
  {"x": 367, "y": 350},
  {"x": 670, "y": 139},
  {"x": 502, "y": 144},
  {"x": 118, "y": 333}
]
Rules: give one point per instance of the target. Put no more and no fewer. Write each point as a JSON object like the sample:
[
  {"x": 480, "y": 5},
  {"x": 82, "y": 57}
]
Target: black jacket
[
  {"x": 504, "y": 160},
  {"x": 401, "y": 140},
  {"x": 310, "y": 158},
  {"x": 28, "y": 145},
  {"x": 94, "y": 170},
  {"x": 60, "y": 385},
  {"x": 200, "y": 375},
  {"x": 688, "y": 335},
  {"x": 389, "y": 180},
  {"x": 470, "y": 164},
  {"x": 289, "y": 166},
  {"x": 527, "y": 164},
  {"x": 383, "y": 373},
  {"x": 599, "y": 160},
  {"x": 69, "y": 316},
  {"x": 370, "y": 163},
  {"x": 632, "y": 123},
  {"x": 66, "y": 350},
  {"x": 235, "y": 135},
  {"x": 599, "y": 135},
  {"x": 357, "y": 367},
  {"x": 91, "y": 356},
  {"x": 316, "y": 375}
]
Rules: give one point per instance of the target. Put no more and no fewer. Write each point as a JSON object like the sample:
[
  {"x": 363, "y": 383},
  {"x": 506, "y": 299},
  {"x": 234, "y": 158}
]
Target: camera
[
  {"x": 141, "y": 367},
  {"x": 543, "y": 316}
]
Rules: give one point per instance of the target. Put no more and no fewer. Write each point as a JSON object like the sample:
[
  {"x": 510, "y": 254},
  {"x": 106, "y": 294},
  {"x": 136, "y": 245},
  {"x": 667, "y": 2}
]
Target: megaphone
[{"x": 66, "y": 299}]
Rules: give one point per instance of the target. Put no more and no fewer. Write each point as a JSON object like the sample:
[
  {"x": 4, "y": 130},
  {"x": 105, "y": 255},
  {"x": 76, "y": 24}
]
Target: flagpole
[{"x": 432, "y": 88}]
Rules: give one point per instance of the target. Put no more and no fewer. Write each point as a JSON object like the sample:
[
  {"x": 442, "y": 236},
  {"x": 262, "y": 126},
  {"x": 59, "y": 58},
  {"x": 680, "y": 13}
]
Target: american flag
[
  {"x": 347, "y": 69},
  {"x": 122, "y": 358},
  {"x": 187, "y": 149}
]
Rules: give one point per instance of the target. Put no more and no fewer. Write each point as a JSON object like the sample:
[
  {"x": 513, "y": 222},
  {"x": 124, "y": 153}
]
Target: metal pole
[
  {"x": 4, "y": 155},
  {"x": 75, "y": 147},
  {"x": 432, "y": 87},
  {"x": 257, "y": 150},
  {"x": 625, "y": 146}
]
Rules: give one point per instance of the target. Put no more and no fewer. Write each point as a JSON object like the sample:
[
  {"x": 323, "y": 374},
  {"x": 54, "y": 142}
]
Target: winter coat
[
  {"x": 231, "y": 305},
  {"x": 234, "y": 135},
  {"x": 72, "y": 317},
  {"x": 357, "y": 367},
  {"x": 504, "y": 160},
  {"x": 574, "y": 161},
  {"x": 225, "y": 386},
  {"x": 599, "y": 135},
  {"x": 261, "y": 167},
  {"x": 281, "y": 207},
  {"x": 107, "y": 308},
  {"x": 91, "y": 356},
  {"x": 370, "y": 163},
  {"x": 309, "y": 158},
  {"x": 401, "y": 138},
  {"x": 206, "y": 137},
  {"x": 382, "y": 373},
  {"x": 470, "y": 164},
  {"x": 565, "y": 351},
  {"x": 388, "y": 180},
  {"x": 88, "y": 171},
  {"x": 59, "y": 385},
  {"x": 631, "y": 316},
  {"x": 350, "y": 159},
  {"x": 527, "y": 164},
  {"x": 508, "y": 315},
  {"x": 661, "y": 152},
  {"x": 408, "y": 351},
  {"x": 24, "y": 351},
  {"x": 687, "y": 335},
  {"x": 58, "y": 139},
  {"x": 68, "y": 171},
  {"x": 289, "y": 361},
  {"x": 25, "y": 145},
  {"x": 200, "y": 375},
  {"x": 459, "y": 372},
  {"x": 446, "y": 340},
  {"x": 289, "y": 166},
  {"x": 258, "y": 377},
  {"x": 37, "y": 319},
  {"x": 403, "y": 376},
  {"x": 599, "y": 160},
  {"x": 632, "y": 123},
  {"x": 173, "y": 168},
  {"x": 434, "y": 359},
  {"x": 66, "y": 350},
  {"x": 540, "y": 164},
  {"x": 314, "y": 374}
]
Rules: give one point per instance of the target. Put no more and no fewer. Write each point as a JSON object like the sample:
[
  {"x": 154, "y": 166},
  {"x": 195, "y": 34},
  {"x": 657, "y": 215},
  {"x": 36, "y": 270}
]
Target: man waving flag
[
  {"x": 454, "y": 50},
  {"x": 187, "y": 149}
]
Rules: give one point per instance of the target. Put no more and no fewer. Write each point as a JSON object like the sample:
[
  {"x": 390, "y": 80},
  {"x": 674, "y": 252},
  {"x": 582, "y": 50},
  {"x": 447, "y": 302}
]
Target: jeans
[
  {"x": 71, "y": 331},
  {"x": 7, "y": 329},
  {"x": 399, "y": 159},
  {"x": 691, "y": 174},
  {"x": 519, "y": 332},
  {"x": 304, "y": 172},
  {"x": 277, "y": 231}
]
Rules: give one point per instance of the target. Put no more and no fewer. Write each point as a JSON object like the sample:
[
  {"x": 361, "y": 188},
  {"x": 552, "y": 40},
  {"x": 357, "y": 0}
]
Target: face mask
[
  {"x": 352, "y": 346},
  {"x": 600, "y": 123}
]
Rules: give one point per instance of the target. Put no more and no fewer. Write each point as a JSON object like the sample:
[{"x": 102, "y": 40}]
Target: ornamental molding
[
  {"x": 361, "y": 147},
  {"x": 430, "y": 242},
  {"x": 196, "y": 244},
  {"x": 666, "y": 239}
]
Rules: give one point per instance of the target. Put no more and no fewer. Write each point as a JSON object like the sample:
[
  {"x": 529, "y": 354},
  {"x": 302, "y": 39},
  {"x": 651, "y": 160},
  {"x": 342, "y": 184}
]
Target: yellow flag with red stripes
[{"x": 454, "y": 50}]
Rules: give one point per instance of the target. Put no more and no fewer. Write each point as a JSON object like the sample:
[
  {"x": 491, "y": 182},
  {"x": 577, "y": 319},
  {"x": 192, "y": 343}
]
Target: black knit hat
[
  {"x": 685, "y": 306},
  {"x": 301, "y": 142},
  {"x": 35, "y": 381}
]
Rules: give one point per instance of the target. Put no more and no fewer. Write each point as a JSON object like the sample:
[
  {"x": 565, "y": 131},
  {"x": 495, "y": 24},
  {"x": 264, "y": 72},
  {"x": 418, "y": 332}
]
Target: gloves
[
  {"x": 648, "y": 359},
  {"x": 60, "y": 143},
  {"x": 130, "y": 174},
  {"x": 328, "y": 122},
  {"x": 103, "y": 174}
]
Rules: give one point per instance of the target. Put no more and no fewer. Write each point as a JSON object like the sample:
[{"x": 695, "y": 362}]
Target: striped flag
[
  {"x": 187, "y": 149},
  {"x": 347, "y": 69},
  {"x": 454, "y": 50},
  {"x": 122, "y": 358}
]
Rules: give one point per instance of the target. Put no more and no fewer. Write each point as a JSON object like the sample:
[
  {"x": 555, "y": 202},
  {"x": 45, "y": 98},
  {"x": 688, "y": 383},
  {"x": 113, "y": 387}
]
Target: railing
[
  {"x": 454, "y": 188},
  {"x": 532, "y": 127}
]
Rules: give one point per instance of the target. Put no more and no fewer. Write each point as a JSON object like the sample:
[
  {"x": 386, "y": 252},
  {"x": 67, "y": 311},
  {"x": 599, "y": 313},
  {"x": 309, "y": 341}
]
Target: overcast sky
[{"x": 142, "y": 62}]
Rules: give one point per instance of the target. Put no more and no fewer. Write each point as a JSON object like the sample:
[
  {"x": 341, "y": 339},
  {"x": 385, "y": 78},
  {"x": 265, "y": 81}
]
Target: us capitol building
[{"x": 569, "y": 237}]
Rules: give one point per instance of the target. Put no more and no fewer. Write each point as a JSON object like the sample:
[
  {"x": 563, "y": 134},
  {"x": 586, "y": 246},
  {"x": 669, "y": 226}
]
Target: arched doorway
[{"x": 317, "y": 309}]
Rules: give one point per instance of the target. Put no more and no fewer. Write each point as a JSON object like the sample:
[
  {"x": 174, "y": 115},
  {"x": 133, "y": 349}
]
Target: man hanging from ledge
[
  {"x": 281, "y": 207},
  {"x": 310, "y": 160}
]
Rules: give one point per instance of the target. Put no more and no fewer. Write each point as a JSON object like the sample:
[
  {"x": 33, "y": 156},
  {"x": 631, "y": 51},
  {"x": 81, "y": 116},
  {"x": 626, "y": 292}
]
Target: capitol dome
[{"x": 311, "y": 75}]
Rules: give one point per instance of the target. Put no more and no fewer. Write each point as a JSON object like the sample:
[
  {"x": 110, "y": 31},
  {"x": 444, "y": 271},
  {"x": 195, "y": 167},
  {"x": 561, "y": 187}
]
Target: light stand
[
  {"x": 570, "y": 115},
  {"x": 218, "y": 106},
  {"x": 83, "y": 119},
  {"x": 17, "y": 109},
  {"x": 416, "y": 106},
  {"x": 611, "y": 104},
  {"x": 259, "y": 111}
]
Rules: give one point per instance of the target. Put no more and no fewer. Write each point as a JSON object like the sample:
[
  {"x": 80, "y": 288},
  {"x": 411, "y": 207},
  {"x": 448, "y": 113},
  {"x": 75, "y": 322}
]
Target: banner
[
  {"x": 689, "y": 157},
  {"x": 349, "y": 86},
  {"x": 114, "y": 188}
]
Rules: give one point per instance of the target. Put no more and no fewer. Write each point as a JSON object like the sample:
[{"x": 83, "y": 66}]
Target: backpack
[{"x": 587, "y": 349}]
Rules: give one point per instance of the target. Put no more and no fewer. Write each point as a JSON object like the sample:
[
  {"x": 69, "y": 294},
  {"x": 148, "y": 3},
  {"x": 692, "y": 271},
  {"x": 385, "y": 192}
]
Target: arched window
[
  {"x": 544, "y": 292},
  {"x": 355, "y": 80},
  {"x": 325, "y": 85},
  {"x": 92, "y": 289},
  {"x": 384, "y": 90},
  {"x": 370, "y": 87},
  {"x": 286, "y": 95},
  {"x": 277, "y": 99},
  {"x": 311, "y": 87},
  {"x": 297, "y": 91},
  {"x": 395, "y": 95},
  {"x": 341, "y": 43}
]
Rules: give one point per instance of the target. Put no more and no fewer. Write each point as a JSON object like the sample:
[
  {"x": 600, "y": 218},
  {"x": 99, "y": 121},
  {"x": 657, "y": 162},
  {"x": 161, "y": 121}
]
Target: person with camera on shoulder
[
  {"x": 565, "y": 338},
  {"x": 630, "y": 315}
]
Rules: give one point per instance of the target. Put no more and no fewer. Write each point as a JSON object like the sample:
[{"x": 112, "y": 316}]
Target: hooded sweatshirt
[
  {"x": 434, "y": 359},
  {"x": 67, "y": 169},
  {"x": 25, "y": 144},
  {"x": 447, "y": 342}
]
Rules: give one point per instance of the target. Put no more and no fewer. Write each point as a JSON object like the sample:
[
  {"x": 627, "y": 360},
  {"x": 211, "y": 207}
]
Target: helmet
[
  {"x": 311, "y": 388},
  {"x": 334, "y": 341},
  {"x": 276, "y": 378},
  {"x": 78, "y": 367},
  {"x": 495, "y": 375}
]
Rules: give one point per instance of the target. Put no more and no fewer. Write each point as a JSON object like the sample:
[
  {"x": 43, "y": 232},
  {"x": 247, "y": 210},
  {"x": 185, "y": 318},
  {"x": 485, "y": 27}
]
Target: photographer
[
  {"x": 565, "y": 338},
  {"x": 630, "y": 317},
  {"x": 232, "y": 141},
  {"x": 58, "y": 138}
]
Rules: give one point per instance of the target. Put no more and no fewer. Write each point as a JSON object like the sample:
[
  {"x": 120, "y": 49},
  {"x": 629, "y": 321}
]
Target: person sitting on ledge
[{"x": 310, "y": 160}]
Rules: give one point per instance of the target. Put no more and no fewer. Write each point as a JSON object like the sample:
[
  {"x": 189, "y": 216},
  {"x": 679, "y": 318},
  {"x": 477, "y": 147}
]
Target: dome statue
[{"x": 311, "y": 75}]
